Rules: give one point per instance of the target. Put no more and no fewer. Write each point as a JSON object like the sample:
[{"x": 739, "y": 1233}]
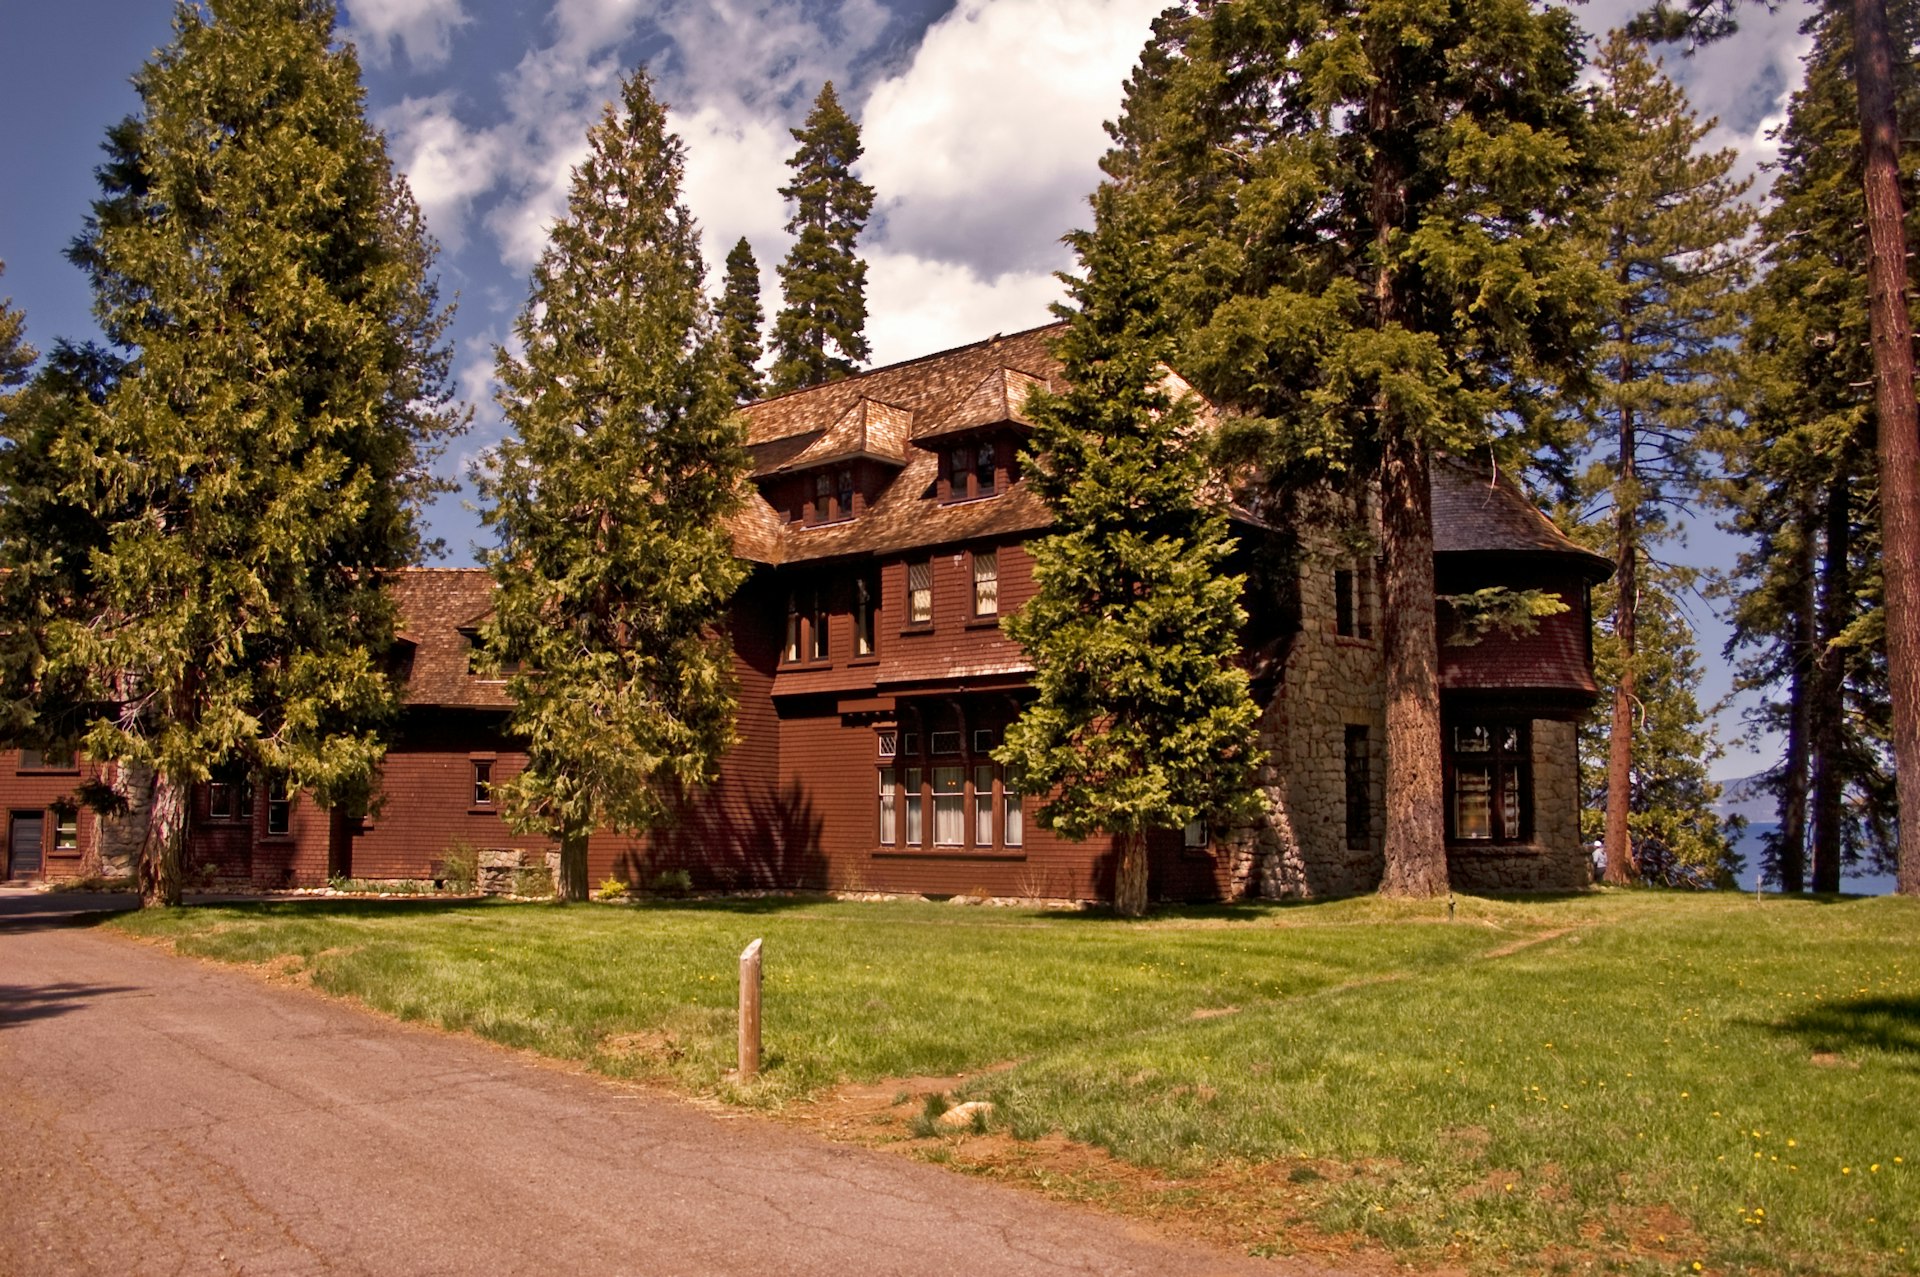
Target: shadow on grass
[{"x": 1890, "y": 1024}]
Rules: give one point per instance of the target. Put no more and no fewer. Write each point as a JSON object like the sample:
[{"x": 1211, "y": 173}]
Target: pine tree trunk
[
  {"x": 573, "y": 864},
  {"x": 1416, "y": 848},
  {"x": 1826, "y": 705},
  {"x": 1793, "y": 788},
  {"x": 1130, "y": 875},
  {"x": 1898, "y": 420},
  {"x": 164, "y": 847},
  {"x": 1416, "y": 851},
  {"x": 1622, "y": 867}
]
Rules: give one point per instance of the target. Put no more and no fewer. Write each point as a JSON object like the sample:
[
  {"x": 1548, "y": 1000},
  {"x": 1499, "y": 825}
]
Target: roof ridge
[{"x": 904, "y": 363}]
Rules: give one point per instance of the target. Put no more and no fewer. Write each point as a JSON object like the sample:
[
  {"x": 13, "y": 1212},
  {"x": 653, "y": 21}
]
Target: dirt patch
[
  {"x": 1828, "y": 1060},
  {"x": 1213, "y": 1013},
  {"x": 1508, "y": 950},
  {"x": 652, "y": 1046}
]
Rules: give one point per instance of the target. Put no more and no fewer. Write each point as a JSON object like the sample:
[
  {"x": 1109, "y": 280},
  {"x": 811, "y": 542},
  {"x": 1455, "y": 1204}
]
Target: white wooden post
[{"x": 750, "y": 1010}]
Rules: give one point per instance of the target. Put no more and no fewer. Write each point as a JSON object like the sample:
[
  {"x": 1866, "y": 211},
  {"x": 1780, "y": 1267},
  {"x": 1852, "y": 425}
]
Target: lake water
[{"x": 1854, "y": 884}]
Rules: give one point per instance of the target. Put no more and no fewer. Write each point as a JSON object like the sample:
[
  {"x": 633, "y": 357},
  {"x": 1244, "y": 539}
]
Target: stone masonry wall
[{"x": 1555, "y": 860}]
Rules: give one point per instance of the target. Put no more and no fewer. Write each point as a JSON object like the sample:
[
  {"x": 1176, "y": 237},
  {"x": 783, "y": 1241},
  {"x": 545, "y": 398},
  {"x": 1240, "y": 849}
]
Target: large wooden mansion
[{"x": 889, "y": 526}]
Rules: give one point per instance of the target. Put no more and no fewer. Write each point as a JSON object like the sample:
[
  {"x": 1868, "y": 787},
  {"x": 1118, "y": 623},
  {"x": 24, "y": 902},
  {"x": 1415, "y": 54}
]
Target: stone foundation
[{"x": 500, "y": 869}]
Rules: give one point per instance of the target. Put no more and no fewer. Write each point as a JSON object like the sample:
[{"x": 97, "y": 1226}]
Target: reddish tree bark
[
  {"x": 1897, "y": 419},
  {"x": 1826, "y": 706},
  {"x": 1130, "y": 875},
  {"x": 1622, "y": 866},
  {"x": 164, "y": 847}
]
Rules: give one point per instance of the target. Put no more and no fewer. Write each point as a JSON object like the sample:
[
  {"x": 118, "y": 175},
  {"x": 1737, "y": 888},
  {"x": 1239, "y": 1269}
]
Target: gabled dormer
[
  {"x": 835, "y": 473},
  {"x": 978, "y": 440}
]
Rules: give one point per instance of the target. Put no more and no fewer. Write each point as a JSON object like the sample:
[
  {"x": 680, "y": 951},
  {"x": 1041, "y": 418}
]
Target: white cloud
[
  {"x": 734, "y": 172},
  {"x": 424, "y": 28},
  {"x": 447, "y": 164},
  {"x": 916, "y": 305},
  {"x": 984, "y": 148}
]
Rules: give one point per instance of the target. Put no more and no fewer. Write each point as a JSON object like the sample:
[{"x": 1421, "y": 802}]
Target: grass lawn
[{"x": 1627, "y": 1081}]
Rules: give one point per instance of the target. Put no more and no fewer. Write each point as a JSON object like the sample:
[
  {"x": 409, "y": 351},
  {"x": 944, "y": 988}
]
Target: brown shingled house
[{"x": 888, "y": 526}]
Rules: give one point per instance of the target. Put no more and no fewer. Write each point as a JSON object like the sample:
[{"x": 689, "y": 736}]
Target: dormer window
[
  {"x": 846, "y": 495},
  {"x": 972, "y": 470}
]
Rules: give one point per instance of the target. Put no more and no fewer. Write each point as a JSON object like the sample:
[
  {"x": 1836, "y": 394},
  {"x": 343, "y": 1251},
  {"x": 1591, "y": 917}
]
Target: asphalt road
[{"x": 159, "y": 1115}]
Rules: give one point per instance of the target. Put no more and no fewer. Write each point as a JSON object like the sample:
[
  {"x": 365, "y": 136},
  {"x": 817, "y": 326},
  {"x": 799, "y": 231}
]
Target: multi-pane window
[
  {"x": 66, "y": 829},
  {"x": 1358, "y": 762},
  {"x": 1487, "y": 782},
  {"x": 949, "y": 825},
  {"x": 483, "y": 782},
  {"x": 51, "y": 760},
  {"x": 822, "y": 497},
  {"x": 845, "y": 489},
  {"x": 971, "y": 470},
  {"x": 920, "y": 592},
  {"x": 1195, "y": 836},
  {"x": 986, "y": 582},
  {"x": 944, "y": 742},
  {"x": 229, "y": 800},
  {"x": 983, "y": 468},
  {"x": 889, "y": 803},
  {"x": 916, "y": 834},
  {"x": 1013, "y": 828},
  {"x": 864, "y": 597},
  {"x": 279, "y": 807},
  {"x": 806, "y": 634},
  {"x": 791, "y": 652}
]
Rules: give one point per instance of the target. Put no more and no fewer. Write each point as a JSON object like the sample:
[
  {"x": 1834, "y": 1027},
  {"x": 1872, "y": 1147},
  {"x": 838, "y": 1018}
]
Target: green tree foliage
[
  {"x": 613, "y": 562},
  {"x": 258, "y": 468},
  {"x": 740, "y": 319},
  {"x": 1668, "y": 226},
  {"x": 16, "y": 356},
  {"x": 820, "y": 334},
  {"x": 1803, "y": 484},
  {"x": 1141, "y": 719},
  {"x": 1367, "y": 212}
]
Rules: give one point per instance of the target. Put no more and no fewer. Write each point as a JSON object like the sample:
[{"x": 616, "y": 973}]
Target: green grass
[{"x": 1722, "y": 1074}]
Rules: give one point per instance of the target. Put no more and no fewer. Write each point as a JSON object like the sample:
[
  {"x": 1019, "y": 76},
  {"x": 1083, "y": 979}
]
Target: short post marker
[{"x": 750, "y": 1011}]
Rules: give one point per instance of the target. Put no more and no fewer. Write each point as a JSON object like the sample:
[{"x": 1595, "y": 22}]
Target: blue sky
[{"x": 981, "y": 120}]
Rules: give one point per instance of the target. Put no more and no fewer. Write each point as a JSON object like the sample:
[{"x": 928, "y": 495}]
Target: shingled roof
[
  {"x": 438, "y": 607},
  {"x": 935, "y": 395},
  {"x": 1476, "y": 511}
]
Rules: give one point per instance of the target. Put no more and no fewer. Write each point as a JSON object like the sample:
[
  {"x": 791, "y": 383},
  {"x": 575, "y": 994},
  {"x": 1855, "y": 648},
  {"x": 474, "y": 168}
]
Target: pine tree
[
  {"x": 614, "y": 566},
  {"x": 820, "y": 333},
  {"x": 1669, "y": 229},
  {"x": 1141, "y": 720},
  {"x": 740, "y": 319},
  {"x": 258, "y": 468},
  {"x": 1805, "y": 481},
  {"x": 1874, "y": 32},
  {"x": 1367, "y": 211}
]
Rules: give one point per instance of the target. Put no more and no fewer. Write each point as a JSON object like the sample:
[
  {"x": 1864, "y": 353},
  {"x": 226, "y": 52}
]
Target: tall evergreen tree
[
  {"x": 1141, "y": 719},
  {"x": 1669, "y": 229},
  {"x": 258, "y": 468},
  {"x": 1874, "y": 34},
  {"x": 614, "y": 565},
  {"x": 1805, "y": 481},
  {"x": 1367, "y": 211},
  {"x": 740, "y": 319},
  {"x": 820, "y": 333}
]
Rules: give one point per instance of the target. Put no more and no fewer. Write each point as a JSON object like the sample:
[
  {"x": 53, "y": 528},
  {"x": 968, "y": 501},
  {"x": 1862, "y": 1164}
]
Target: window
[
  {"x": 791, "y": 652},
  {"x": 948, "y": 823},
  {"x": 944, "y": 742},
  {"x": 889, "y": 803},
  {"x": 1487, "y": 783},
  {"x": 888, "y": 744},
  {"x": 983, "y": 806},
  {"x": 1196, "y": 835},
  {"x": 983, "y": 468},
  {"x": 920, "y": 592},
  {"x": 915, "y": 834},
  {"x": 822, "y": 497},
  {"x": 279, "y": 808},
  {"x": 66, "y": 829},
  {"x": 983, "y": 740},
  {"x": 1014, "y": 831},
  {"x": 229, "y": 799},
  {"x": 1351, "y": 616},
  {"x": 986, "y": 582},
  {"x": 845, "y": 509},
  {"x": 864, "y": 594},
  {"x": 817, "y": 616},
  {"x": 52, "y": 760},
  {"x": 483, "y": 782},
  {"x": 959, "y": 470},
  {"x": 971, "y": 470},
  {"x": 1359, "y": 790},
  {"x": 910, "y": 743}
]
